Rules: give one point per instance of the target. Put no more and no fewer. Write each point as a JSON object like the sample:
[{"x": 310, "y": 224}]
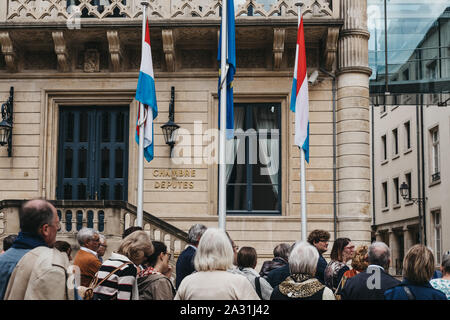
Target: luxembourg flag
[
  {"x": 299, "y": 96},
  {"x": 146, "y": 94}
]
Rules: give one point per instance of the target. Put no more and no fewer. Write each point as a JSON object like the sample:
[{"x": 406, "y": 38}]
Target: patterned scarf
[
  {"x": 147, "y": 272},
  {"x": 300, "y": 286}
]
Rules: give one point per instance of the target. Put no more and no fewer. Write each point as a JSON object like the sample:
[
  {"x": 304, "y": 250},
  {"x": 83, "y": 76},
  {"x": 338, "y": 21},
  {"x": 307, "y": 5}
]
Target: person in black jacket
[
  {"x": 371, "y": 284},
  {"x": 281, "y": 255},
  {"x": 185, "y": 262},
  {"x": 319, "y": 239}
]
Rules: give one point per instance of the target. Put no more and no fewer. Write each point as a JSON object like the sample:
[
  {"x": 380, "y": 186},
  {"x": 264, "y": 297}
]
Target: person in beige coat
[
  {"x": 212, "y": 281},
  {"x": 40, "y": 275}
]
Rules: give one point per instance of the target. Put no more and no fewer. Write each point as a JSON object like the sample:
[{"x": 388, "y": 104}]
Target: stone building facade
[
  {"x": 72, "y": 66},
  {"x": 411, "y": 128}
]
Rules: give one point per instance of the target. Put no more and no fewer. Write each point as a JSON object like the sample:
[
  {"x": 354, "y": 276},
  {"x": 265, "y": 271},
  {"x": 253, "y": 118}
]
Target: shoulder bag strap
[
  {"x": 110, "y": 274},
  {"x": 258, "y": 287},
  {"x": 409, "y": 293}
]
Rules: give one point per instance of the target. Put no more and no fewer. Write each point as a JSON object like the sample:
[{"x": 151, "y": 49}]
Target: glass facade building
[{"x": 416, "y": 59}]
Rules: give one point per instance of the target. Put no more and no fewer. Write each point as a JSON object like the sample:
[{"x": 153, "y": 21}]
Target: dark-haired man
[
  {"x": 8, "y": 241},
  {"x": 319, "y": 239}
]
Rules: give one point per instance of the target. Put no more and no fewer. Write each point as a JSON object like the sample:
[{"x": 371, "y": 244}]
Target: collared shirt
[
  {"x": 88, "y": 250},
  {"x": 190, "y": 245},
  {"x": 376, "y": 266}
]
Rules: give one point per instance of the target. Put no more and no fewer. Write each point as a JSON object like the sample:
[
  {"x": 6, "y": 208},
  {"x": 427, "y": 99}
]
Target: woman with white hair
[
  {"x": 116, "y": 278},
  {"x": 301, "y": 284},
  {"x": 212, "y": 281}
]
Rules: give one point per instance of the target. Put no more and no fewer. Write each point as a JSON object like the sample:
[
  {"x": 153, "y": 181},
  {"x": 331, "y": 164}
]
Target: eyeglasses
[
  {"x": 169, "y": 255},
  {"x": 104, "y": 246}
]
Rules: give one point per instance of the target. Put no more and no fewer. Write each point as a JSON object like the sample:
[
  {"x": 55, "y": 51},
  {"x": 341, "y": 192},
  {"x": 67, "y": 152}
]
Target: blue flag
[{"x": 231, "y": 60}]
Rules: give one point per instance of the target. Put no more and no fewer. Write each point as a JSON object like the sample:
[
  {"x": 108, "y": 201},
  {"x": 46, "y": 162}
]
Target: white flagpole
[
  {"x": 140, "y": 201},
  {"x": 302, "y": 158},
  {"x": 223, "y": 121}
]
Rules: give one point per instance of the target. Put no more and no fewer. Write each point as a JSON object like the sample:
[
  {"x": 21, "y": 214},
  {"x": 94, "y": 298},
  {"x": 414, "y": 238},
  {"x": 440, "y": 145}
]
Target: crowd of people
[{"x": 34, "y": 266}]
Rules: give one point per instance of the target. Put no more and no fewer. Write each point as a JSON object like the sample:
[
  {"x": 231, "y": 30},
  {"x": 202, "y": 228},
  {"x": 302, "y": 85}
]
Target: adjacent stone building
[{"x": 410, "y": 124}]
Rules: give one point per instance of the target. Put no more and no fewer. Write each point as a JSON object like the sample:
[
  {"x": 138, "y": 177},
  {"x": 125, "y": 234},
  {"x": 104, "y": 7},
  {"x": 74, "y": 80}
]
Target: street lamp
[
  {"x": 404, "y": 191},
  {"x": 170, "y": 127},
  {"x": 7, "y": 122},
  {"x": 406, "y": 194}
]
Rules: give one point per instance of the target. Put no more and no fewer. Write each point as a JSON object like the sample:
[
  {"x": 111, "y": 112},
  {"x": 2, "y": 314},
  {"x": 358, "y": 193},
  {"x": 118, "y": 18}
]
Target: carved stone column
[
  {"x": 353, "y": 149},
  {"x": 407, "y": 239},
  {"x": 394, "y": 252}
]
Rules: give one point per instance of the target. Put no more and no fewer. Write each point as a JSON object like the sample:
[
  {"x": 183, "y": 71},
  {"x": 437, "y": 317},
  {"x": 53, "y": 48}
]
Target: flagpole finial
[
  {"x": 299, "y": 4},
  {"x": 145, "y": 3}
]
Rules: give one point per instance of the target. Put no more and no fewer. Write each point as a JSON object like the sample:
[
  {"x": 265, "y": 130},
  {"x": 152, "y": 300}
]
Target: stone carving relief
[
  {"x": 61, "y": 50},
  {"x": 114, "y": 49},
  {"x": 91, "y": 60},
  {"x": 8, "y": 51},
  {"x": 331, "y": 43},
  {"x": 278, "y": 46},
  {"x": 169, "y": 48},
  {"x": 48, "y": 10}
]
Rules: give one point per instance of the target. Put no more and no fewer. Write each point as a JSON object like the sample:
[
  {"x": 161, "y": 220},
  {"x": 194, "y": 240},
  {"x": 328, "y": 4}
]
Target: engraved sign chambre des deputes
[{"x": 174, "y": 179}]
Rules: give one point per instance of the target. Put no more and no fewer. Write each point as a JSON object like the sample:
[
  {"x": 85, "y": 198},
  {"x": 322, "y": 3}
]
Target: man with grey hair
[
  {"x": 102, "y": 248},
  {"x": 86, "y": 258},
  {"x": 185, "y": 262},
  {"x": 371, "y": 284}
]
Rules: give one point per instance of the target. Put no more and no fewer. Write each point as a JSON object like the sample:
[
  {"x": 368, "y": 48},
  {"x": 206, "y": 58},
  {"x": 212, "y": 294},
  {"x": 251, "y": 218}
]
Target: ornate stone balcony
[
  {"x": 63, "y": 10},
  {"x": 111, "y": 218},
  {"x": 103, "y": 36}
]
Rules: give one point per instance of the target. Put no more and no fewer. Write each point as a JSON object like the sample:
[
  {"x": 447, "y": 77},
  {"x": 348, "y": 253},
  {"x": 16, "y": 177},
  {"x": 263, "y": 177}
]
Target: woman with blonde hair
[
  {"x": 213, "y": 258},
  {"x": 359, "y": 264},
  {"x": 418, "y": 268},
  {"x": 116, "y": 278}
]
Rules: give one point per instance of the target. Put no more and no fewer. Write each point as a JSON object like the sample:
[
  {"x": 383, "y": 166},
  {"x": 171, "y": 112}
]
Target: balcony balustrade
[
  {"x": 110, "y": 218},
  {"x": 63, "y": 10}
]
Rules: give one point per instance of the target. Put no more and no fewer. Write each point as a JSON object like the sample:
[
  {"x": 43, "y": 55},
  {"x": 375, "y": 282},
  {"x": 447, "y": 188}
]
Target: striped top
[{"x": 122, "y": 284}]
